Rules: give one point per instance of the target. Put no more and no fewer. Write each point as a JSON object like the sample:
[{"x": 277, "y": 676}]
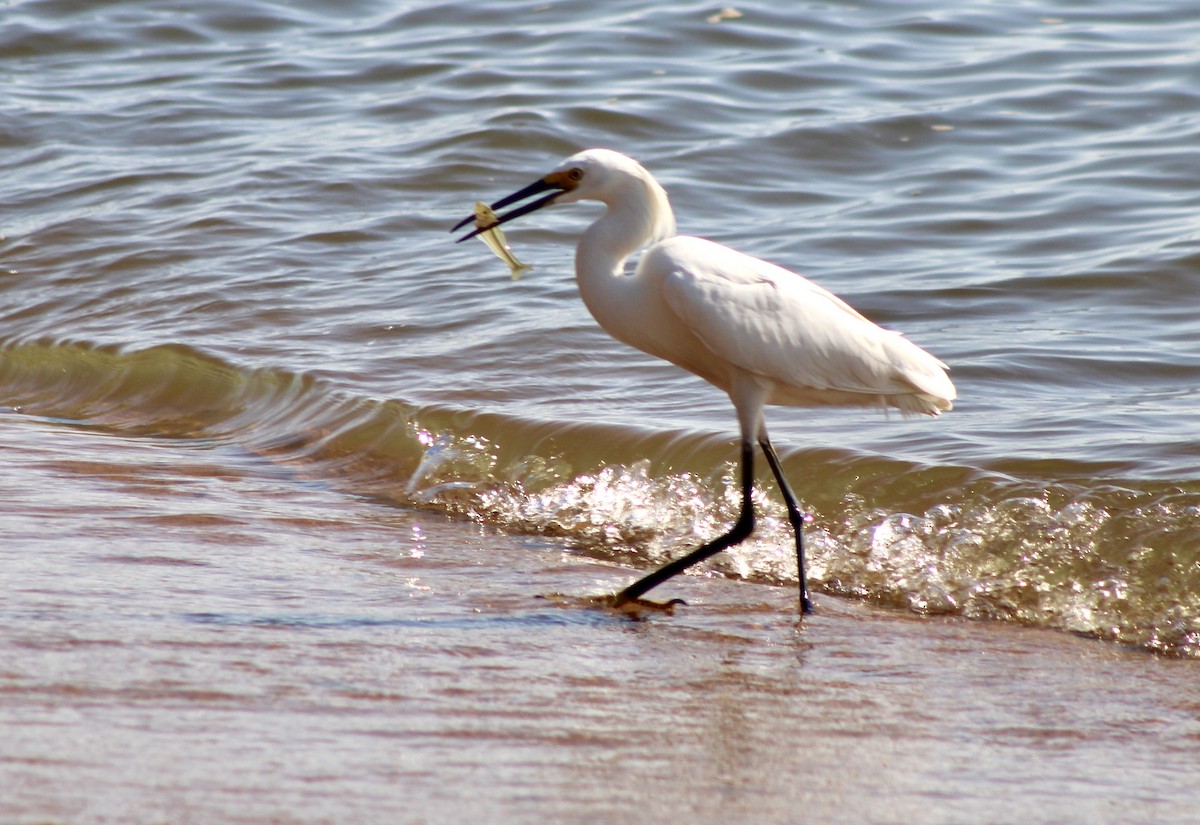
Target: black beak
[{"x": 535, "y": 188}]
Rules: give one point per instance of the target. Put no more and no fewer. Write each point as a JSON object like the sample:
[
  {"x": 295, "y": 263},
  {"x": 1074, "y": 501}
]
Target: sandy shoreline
[{"x": 388, "y": 687}]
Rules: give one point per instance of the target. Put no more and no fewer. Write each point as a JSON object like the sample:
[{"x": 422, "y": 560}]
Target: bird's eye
[{"x": 575, "y": 175}]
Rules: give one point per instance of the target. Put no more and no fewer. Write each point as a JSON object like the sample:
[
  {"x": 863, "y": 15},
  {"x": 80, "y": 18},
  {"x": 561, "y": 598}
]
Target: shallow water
[
  {"x": 248, "y": 205},
  {"x": 262, "y": 654},
  {"x": 233, "y": 327}
]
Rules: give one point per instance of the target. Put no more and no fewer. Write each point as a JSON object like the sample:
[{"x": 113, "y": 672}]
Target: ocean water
[
  {"x": 284, "y": 470},
  {"x": 226, "y": 256}
]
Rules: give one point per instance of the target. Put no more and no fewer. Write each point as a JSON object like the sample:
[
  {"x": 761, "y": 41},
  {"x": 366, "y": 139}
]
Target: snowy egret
[{"x": 759, "y": 332}]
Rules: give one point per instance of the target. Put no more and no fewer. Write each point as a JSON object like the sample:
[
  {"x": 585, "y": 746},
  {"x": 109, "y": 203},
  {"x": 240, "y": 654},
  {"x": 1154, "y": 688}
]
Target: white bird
[{"x": 759, "y": 332}]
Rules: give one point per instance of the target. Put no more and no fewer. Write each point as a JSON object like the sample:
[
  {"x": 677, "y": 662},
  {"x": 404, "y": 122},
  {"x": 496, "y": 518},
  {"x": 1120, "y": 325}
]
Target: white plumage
[{"x": 761, "y": 333}]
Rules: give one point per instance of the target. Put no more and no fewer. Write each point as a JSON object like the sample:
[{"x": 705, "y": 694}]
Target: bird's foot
[
  {"x": 631, "y": 607},
  {"x": 636, "y": 606}
]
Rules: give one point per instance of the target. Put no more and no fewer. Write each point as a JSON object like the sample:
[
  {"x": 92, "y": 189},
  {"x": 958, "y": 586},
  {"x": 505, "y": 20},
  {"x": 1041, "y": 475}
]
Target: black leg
[
  {"x": 794, "y": 516},
  {"x": 738, "y": 533}
]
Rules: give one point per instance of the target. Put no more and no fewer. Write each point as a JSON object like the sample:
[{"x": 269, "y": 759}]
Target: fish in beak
[{"x": 486, "y": 220}]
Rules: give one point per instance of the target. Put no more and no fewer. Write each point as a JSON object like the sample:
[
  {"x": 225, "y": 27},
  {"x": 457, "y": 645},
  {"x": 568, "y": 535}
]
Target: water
[{"x": 234, "y": 332}]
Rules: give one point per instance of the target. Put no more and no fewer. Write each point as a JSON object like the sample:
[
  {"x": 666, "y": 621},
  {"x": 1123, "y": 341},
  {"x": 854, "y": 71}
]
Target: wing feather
[{"x": 779, "y": 325}]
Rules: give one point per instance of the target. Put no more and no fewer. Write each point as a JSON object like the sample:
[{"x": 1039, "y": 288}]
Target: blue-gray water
[{"x": 229, "y": 300}]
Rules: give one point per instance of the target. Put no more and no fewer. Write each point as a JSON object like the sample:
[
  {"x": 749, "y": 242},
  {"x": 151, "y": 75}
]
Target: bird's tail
[{"x": 922, "y": 403}]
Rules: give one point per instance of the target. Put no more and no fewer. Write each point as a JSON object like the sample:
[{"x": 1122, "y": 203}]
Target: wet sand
[
  {"x": 422, "y": 681},
  {"x": 226, "y": 286}
]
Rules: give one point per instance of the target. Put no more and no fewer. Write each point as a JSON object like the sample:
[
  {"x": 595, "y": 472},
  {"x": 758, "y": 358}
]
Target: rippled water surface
[{"x": 226, "y": 256}]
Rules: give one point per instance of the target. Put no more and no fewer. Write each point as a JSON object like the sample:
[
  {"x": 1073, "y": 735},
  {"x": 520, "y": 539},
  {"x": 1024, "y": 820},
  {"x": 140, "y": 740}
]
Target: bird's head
[{"x": 593, "y": 174}]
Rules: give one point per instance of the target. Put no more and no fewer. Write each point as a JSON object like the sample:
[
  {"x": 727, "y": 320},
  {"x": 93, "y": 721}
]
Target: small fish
[{"x": 495, "y": 241}]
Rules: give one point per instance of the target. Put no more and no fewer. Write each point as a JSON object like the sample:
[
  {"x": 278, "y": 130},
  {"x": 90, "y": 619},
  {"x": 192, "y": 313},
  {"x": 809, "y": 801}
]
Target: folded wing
[{"x": 804, "y": 339}]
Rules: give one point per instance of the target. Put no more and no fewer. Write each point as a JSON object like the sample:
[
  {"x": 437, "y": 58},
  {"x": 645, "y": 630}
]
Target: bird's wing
[{"x": 775, "y": 323}]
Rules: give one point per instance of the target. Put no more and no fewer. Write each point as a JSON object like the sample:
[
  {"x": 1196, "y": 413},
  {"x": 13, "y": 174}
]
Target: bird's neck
[{"x": 636, "y": 217}]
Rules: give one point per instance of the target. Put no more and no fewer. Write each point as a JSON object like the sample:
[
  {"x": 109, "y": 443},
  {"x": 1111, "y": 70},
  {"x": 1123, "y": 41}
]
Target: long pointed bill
[{"x": 535, "y": 188}]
